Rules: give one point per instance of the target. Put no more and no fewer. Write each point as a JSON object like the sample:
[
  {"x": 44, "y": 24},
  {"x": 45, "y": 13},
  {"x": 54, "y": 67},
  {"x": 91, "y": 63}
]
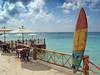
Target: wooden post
[
  {"x": 44, "y": 44},
  {"x": 35, "y": 53},
  {"x": 26, "y": 41},
  {"x": 11, "y": 44},
  {"x": 44, "y": 40},
  {"x": 86, "y": 65},
  {"x": 29, "y": 42},
  {"x": 38, "y": 40}
]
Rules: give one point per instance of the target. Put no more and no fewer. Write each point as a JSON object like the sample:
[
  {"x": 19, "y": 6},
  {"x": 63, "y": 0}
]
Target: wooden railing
[
  {"x": 31, "y": 43},
  {"x": 93, "y": 69},
  {"x": 53, "y": 57},
  {"x": 62, "y": 59}
]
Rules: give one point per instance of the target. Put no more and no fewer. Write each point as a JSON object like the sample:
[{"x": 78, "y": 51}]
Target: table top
[
  {"x": 22, "y": 45},
  {"x": 21, "y": 49}
]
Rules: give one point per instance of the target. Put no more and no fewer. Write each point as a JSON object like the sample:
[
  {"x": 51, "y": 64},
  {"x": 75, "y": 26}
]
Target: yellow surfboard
[{"x": 80, "y": 37}]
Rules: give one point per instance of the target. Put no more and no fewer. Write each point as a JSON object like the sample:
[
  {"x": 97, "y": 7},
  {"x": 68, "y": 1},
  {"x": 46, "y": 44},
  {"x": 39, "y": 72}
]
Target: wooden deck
[{"x": 10, "y": 65}]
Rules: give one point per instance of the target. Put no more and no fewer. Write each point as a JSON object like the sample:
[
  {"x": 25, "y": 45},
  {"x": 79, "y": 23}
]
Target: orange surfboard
[{"x": 80, "y": 37}]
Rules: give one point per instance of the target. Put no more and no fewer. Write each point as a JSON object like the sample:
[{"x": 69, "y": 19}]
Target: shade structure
[
  {"x": 22, "y": 31},
  {"x": 3, "y": 31},
  {"x": 80, "y": 37}
]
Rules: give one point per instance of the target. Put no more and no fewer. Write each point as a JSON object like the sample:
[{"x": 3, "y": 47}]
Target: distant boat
[{"x": 80, "y": 36}]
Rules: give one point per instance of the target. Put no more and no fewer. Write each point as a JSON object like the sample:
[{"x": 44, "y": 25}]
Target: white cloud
[
  {"x": 45, "y": 15},
  {"x": 72, "y": 5},
  {"x": 76, "y": 4},
  {"x": 11, "y": 6},
  {"x": 37, "y": 14},
  {"x": 69, "y": 6},
  {"x": 33, "y": 15},
  {"x": 36, "y": 4}
]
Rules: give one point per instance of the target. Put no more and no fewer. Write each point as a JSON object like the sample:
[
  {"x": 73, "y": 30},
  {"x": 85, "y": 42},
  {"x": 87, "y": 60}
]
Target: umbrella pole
[
  {"x": 22, "y": 37},
  {"x": 4, "y": 37}
]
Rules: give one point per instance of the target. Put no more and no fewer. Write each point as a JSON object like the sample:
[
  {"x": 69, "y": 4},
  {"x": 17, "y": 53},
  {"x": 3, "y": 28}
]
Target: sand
[{"x": 11, "y": 65}]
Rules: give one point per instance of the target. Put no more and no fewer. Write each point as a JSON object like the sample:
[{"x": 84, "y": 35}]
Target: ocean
[{"x": 63, "y": 42}]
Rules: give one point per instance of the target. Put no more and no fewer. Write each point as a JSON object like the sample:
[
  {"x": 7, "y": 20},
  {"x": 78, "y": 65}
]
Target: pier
[
  {"x": 39, "y": 63},
  {"x": 41, "y": 60},
  {"x": 10, "y": 65}
]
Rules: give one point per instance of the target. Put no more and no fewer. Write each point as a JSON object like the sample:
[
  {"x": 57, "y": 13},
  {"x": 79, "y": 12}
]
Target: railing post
[
  {"x": 38, "y": 40},
  {"x": 35, "y": 53},
  {"x": 86, "y": 65},
  {"x": 11, "y": 44},
  {"x": 26, "y": 41},
  {"x": 44, "y": 41}
]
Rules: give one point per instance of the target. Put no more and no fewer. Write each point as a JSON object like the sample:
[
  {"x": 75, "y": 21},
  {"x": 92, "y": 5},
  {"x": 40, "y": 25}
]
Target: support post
[
  {"x": 11, "y": 44},
  {"x": 44, "y": 41},
  {"x": 38, "y": 40},
  {"x": 35, "y": 54},
  {"x": 4, "y": 37},
  {"x": 85, "y": 65},
  {"x": 26, "y": 41}
]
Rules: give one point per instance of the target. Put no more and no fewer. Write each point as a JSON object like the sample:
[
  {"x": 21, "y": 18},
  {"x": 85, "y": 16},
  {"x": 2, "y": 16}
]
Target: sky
[{"x": 48, "y": 15}]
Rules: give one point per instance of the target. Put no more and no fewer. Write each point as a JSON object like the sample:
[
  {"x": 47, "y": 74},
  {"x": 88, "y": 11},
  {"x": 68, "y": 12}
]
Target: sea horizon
[{"x": 63, "y": 42}]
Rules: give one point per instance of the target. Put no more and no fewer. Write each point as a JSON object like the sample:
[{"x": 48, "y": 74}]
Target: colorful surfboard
[{"x": 80, "y": 36}]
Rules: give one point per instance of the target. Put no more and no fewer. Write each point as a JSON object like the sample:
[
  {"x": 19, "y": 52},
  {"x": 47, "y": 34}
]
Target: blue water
[{"x": 63, "y": 42}]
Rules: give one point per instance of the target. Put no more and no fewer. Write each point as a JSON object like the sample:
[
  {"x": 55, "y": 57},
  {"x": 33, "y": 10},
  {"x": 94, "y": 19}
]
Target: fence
[
  {"x": 31, "y": 43},
  {"x": 94, "y": 69},
  {"x": 63, "y": 60},
  {"x": 53, "y": 57}
]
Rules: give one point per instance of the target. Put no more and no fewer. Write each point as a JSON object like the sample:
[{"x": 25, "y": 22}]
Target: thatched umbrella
[
  {"x": 3, "y": 31},
  {"x": 22, "y": 30}
]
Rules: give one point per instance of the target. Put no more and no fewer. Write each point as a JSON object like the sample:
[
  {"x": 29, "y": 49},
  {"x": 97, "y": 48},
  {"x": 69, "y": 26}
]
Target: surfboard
[{"x": 80, "y": 37}]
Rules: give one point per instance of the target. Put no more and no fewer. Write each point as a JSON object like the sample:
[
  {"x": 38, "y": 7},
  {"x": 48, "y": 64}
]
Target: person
[
  {"x": 25, "y": 54},
  {"x": 5, "y": 48},
  {"x": 22, "y": 53},
  {"x": 0, "y": 44},
  {"x": 17, "y": 53}
]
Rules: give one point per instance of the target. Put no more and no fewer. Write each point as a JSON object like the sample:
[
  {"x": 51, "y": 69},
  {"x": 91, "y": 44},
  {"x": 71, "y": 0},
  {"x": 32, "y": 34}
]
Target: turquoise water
[{"x": 63, "y": 42}]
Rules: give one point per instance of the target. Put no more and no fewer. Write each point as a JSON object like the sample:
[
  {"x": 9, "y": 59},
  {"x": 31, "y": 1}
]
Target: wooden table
[
  {"x": 20, "y": 49},
  {"x": 23, "y": 45}
]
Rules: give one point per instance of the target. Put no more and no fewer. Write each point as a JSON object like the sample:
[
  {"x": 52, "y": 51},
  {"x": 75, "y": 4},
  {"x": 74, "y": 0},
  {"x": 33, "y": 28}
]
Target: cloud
[
  {"x": 71, "y": 5},
  {"x": 17, "y": 9},
  {"x": 33, "y": 14},
  {"x": 25, "y": 2},
  {"x": 95, "y": 5}
]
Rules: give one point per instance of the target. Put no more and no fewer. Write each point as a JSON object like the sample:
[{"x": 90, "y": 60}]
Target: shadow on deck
[{"x": 34, "y": 66}]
